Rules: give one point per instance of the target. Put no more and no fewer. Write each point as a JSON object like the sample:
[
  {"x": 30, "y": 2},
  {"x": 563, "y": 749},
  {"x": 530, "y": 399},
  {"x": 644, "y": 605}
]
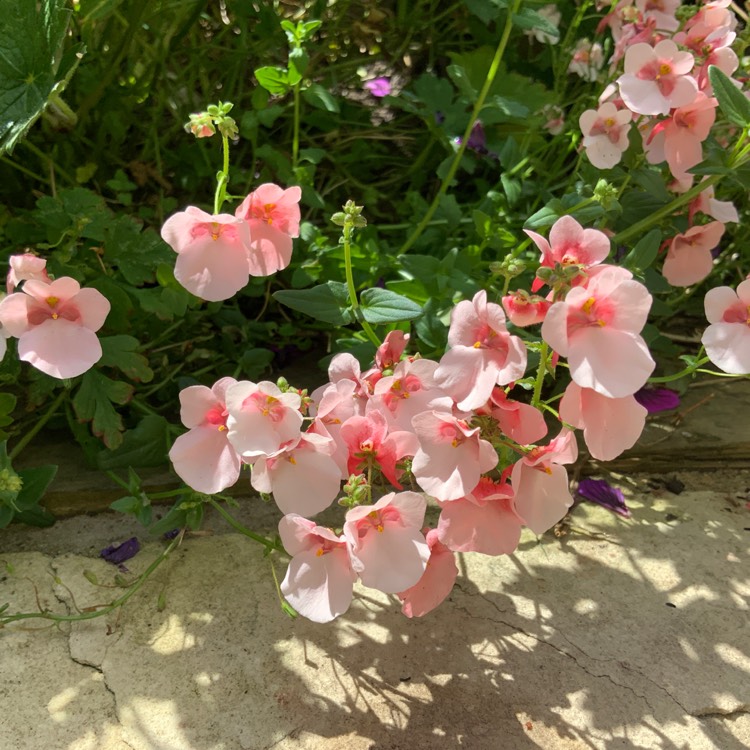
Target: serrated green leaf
[
  {"x": 273, "y": 80},
  {"x": 93, "y": 403},
  {"x": 120, "y": 352},
  {"x": 732, "y": 102},
  {"x": 385, "y": 306},
  {"x": 32, "y": 68},
  {"x": 145, "y": 445},
  {"x": 328, "y": 302}
]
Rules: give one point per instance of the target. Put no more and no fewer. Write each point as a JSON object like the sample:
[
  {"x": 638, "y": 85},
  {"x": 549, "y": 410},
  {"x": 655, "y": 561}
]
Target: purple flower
[
  {"x": 657, "y": 399},
  {"x": 379, "y": 87},
  {"x": 601, "y": 492},
  {"x": 118, "y": 553},
  {"x": 477, "y": 140}
]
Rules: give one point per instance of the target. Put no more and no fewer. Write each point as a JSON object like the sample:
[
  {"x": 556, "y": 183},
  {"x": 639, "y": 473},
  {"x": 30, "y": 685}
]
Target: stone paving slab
[{"x": 620, "y": 634}]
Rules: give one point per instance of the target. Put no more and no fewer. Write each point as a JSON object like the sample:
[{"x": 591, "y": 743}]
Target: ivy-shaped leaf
[
  {"x": 93, "y": 403},
  {"x": 32, "y": 68}
]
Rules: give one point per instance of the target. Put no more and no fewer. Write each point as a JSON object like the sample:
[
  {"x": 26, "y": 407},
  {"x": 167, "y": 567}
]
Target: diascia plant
[{"x": 556, "y": 338}]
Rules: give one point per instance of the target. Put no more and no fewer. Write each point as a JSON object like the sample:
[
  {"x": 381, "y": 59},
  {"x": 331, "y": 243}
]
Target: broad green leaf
[
  {"x": 321, "y": 98},
  {"x": 32, "y": 66},
  {"x": 328, "y": 302},
  {"x": 120, "y": 352},
  {"x": 461, "y": 79},
  {"x": 35, "y": 483},
  {"x": 145, "y": 445},
  {"x": 37, "y": 516},
  {"x": 732, "y": 102},
  {"x": 255, "y": 361},
  {"x": 485, "y": 10},
  {"x": 274, "y": 80},
  {"x": 385, "y": 306},
  {"x": 644, "y": 253},
  {"x": 93, "y": 403},
  {"x": 6, "y": 515},
  {"x": 298, "y": 62},
  {"x": 526, "y": 18}
]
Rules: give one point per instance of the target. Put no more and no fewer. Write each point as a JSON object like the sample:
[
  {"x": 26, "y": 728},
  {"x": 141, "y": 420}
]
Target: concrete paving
[{"x": 619, "y": 634}]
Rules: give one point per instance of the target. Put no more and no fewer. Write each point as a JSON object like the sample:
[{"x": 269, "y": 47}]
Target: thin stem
[
  {"x": 295, "y": 132},
  {"x": 491, "y": 73},
  {"x": 230, "y": 519},
  {"x": 352, "y": 289},
  {"x": 29, "y": 436},
  {"x": 540, "y": 373},
  {"x": 689, "y": 370},
  {"x": 104, "y": 610},
  {"x": 223, "y": 178}
]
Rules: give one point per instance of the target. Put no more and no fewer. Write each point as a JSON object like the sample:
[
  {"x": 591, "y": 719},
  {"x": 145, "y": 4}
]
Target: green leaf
[
  {"x": 328, "y": 302},
  {"x": 321, "y": 98},
  {"x": 526, "y": 18},
  {"x": 32, "y": 68},
  {"x": 255, "y": 361},
  {"x": 93, "y": 403},
  {"x": 644, "y": 253},
  {"x": 6, "y": 515},
  {"x": 298, "y": 62},
  {"x": 120, "y": 352},
  {"x": 274, "y": 80},
  {"x": 485, "y": 10},
  {"x": 37, "y": 516},
  {"x": 385, "y": 306},
  {"x": 145, "y": 445},
  {"x": 461, "y": 79},
  {"x": 35, "y": 483},
  {"x": 732, "y": 102}
]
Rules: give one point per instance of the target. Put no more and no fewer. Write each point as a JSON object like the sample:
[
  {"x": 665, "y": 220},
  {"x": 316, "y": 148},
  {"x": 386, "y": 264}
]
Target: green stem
[
  {"x": 5, "y": 619},
  {"x": 540, "y": 373},
  {"x": 230, "y": 519},
  {"x": 352, "y": 289},
  {"x": 223, "y": 178},
  {"x": 491, "y": 73},
  {"x": 295, "y": 132},
  {"x": 29, "y": 436},
  {"x": 689, "y": 370}
]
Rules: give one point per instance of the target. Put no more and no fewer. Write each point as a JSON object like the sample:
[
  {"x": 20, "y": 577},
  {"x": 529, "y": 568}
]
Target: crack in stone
[
  {"x": 714, "y": 712},
  {"x": 606, "y": 675}
]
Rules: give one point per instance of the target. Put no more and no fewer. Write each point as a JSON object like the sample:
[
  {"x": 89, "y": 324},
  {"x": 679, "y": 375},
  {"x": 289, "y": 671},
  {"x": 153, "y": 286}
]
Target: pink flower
[
  {"x": 273, "y": 215},
  {"x": 451, "y": 455},
  {"x": 262, "y": 420},
  {"x": 303, "y": 478},
  {"x": 385, "y": 542},
  {"x": 679, "y": 139},
  {"x": 24, "y": 268},
  {"x": 605, "y": 135},
  {"x": 587, "y": 60},
  {"x": 319, "y": 580},
  {"x": 388, "y": 354},
  {"x": 727, "y": 339},
  {"x": 705, "y": 203},
  {"x": 408, "y": 392},
  {"x": 610, "y": 425},
  {"x": 55, "y": 325},
  {"x": 436, "y": 582},
  {"x": 482, "y": 353},
  {"x": 524, "y": 309},
  {"x": 369, "y": 443},
  {"x": 656, "y": 78},
  {"x": 212, "y": 252},
  {"x": 378, "y": 87},
  {"x": 660, "y": 12},
  {"x": 520, "y": 422},
  {"x": 596, "y": 327},
  {"x": 689, "y": 257},
  {"x": 570, "y": 245},
  {"x": 540, "y": 483},
  {"x": 203, "y": 457},
  {"x": 484, "y": 521}
]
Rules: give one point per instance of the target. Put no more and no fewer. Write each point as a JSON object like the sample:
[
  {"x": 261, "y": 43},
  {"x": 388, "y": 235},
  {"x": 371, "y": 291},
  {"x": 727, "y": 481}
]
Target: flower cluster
[{"x": 217, "y": 254}]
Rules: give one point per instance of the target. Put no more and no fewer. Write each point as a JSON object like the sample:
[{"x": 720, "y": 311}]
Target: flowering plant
[{"x": 460, "y": 380}]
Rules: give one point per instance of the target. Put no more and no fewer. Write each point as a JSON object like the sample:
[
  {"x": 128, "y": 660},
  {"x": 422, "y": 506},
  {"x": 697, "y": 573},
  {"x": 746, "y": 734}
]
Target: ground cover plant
[{"x": 493, "y": 223}]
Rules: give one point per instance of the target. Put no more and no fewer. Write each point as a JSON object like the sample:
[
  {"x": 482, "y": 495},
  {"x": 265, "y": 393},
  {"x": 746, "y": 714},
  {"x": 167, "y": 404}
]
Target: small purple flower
[
  {"x": 379, "y": 87},
  {"x": 601, "y": 492},
  {"x": 118, "y": 553},
  {"x": 477, "y": 140},
  {"x": 657, "y": 399}
]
